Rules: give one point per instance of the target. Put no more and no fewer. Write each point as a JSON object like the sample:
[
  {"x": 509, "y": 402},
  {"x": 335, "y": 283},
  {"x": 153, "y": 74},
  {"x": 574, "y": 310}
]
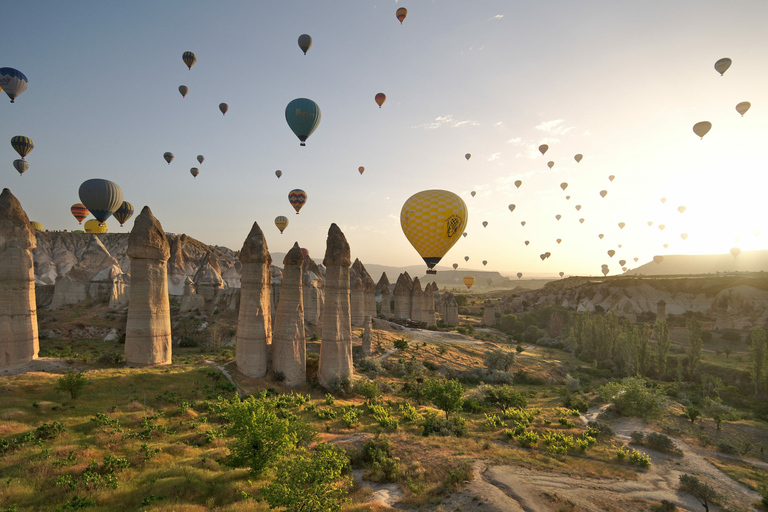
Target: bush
[
  {"x": 632, "y": 397},
  {"x": 432, "y": 424},
  {"x": 528, "y": 439},
  {"x": 401, "y": 344},
  {"x": 384, "y": 467},
  {"x": 637, "y": 437},
  {"x": 504, "y": 397},
  {"x": 409, "y": 412},
  {"x": 576, "y": 402},
  {"x": 370, "y": 365},
  {"x": 368, "y": 390},
  {"x": 661, "y": 443},
  {"x": 499, "y": 359},
  {"x": 602, "y": 429},
  {"x": 72, "y": 383},
  {"x": 445, "y": 394},
  {"x": 700, "y": 490},
  {"x": 350, "y": 417}
]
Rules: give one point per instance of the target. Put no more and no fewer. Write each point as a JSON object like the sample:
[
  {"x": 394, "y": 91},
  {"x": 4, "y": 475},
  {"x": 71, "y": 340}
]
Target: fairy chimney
[{"x": 289, "y": 350}]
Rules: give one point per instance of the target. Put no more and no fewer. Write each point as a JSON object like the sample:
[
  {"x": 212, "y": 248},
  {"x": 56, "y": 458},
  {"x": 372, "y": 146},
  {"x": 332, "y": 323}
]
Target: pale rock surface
[
  {"x": 148, "y": 329},
  {"x": 289, "y": 351},
  {"x": 254, "y": 326},
  {"x": 384, "y": 296},
  {"x": 275, "y": 282},
  {"x": 489, "y": 314},
  {"x": 177, "y": 267},
  {"x": 661, "y": 311},
  {"x": 336, "y": 344},
  {"x": 356, "y": 297},
  {"x": 367, "y": 336},
  {"x": 417, "y": 301},
  {"x": 91, "y": 278},
  {"x": 118, "y": 295},
  {"x": 740, "y": 307},
  {"x": 369, "y": 289},
  {"x": 190, "y": 300},
  {"x": 18, "y": 313},
  {"x": 626, "y": 308},
  {"x": 449, "y": 309},
  {"x": 428, "y": 304},
  {"x": 402, "y": 295},
  {"x": 208, "y": 279}
]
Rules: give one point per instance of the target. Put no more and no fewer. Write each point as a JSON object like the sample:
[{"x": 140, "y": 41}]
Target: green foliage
[
  {"x": 461, "y": 300},
  {"x": 499, "y": 359},
  {"x": 632, "y": 397},
  {"x": 446, "y": 395},
  {"x": 382, "y": 417},
  {"x": 401, "y": 344},
  {"x": 528, "y": 439},
  {"x": 692, "y": 413},
  {"x": 505, "y": 397},
  {"x": 758, "y": 351},
  {"x": 693, "y": 355},
  {"x": 492, "y": 422},
  {"x": 633, "y": 456},
  {"x": 519, "y": 416},
  {"x": 661, "y": 334},
  {"x": 661, "y": 443},
  {"x": 188, "y": 333},
  {"x": 370, "y": 365},
  {"x": 329, "y": 399},
  {"x": 72, "y": 383},
  {"x": 261, "y": 438},
  {"x": 350, "y": 417},
  {"x": 409, "y": 413},
  {"x": 384, "y": 467},
  {"x": 147, "y": 453},
  {"x": 699, "y": 490},
  {"x": 368, "y": 390},
  {"x": 77, "y": 503},
  {"x": 431, "y": 424},
  {"x": 310, "y": 481}
]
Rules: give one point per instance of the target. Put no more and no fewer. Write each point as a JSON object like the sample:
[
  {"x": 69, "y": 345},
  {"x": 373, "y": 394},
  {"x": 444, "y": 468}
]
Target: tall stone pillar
[
  {"x": 489, "y": 314},
  {"x": 254, "y": 324},
  {"x": 451, "y": 309},
  {"x": 356, "y": 297},
  {"x": 382, "y": 289},
  {"x": 148, "y": 330},
  {"x": 18, "y": 312},
  {"x": 428, "y": 303},
  {"x": 289, "y": 348},
  {"x": 661, "y": 311},
  {"x": 369, "y": 289},
  {"x": 367, "y": 336},
  {"x": 336, "y": 345},
  {"x": 402, "y": 294},
  {"x": 417, "y": 301}
]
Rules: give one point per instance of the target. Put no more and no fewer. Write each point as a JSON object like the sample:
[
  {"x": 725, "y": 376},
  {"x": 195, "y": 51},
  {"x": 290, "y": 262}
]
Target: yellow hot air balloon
[
  {"x": 189, "y": 59},
  {"x": 432, "y": 221},
  {"x": 666, "y": 246},
  {"x": 681, "y": 209},
  {"x": 663, "y": 200},
  {"x": 742, "y": 107},
  {"x": 621, "y": 225},
  {"x": 281, "y": 222},
  {"x": 684, "y": 236},
  {"x": 735, "y": 251},
  {"x": 661, "y": 227},
  {"x": 469, "y": 281},
  {"x": 37, "y": 226},
  {"x": 93, "y": 226},
  {"x": 702, "y": 128},
  {"x": 722, "y": 65}
]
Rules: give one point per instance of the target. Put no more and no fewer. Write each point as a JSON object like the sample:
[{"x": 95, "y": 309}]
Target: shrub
[
  {"x": 382, "y": 417},
  {"x": 368, "y": 390},
  {"x": 409, "y": 412},
  {"x": 528, "y": 439},
  {"x": 700, "y": 490},
  {"x": 432, "y": 424},
  {"x": 504, "y": 397},
  {"x": 370, "y": 365},
  {"x": 661, "y": 443},
  {"x": 350, "y": 417},
  {"x": 576, "y": 403},
  {"x": 571, "y": 383},
  {"x": 492, "y": 422},
  {"x": 338, "y": 385},
  {"x": 446, "y": 395},
  {"x": 401, "y": 344},
  {"x": 329, "y": 399},
  {"x": 499, "y": 359},
  {"x": 601, "y": 429},
  {"x": 631, "y": 397},
  {"x": 72, "y": 383},
  {"x": 637, "y": 437},
  {"x": 384, "y": 467}
]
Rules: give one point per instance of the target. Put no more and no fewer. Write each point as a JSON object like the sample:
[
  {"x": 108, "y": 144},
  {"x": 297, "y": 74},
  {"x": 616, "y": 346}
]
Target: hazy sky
[{"x": 620, "y": 82}]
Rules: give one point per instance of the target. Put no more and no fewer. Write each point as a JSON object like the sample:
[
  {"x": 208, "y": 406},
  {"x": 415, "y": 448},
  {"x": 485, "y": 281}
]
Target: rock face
[
  {"x": 90, "y": 278},
  {"x": 489, "y": 314},
  {"x": 661, "y": 311},
  {"x": 289, "y": 351},
  {"x": 740, "y": 307},
  {"x": 383, "y": 294},
  {"x": 148, "y": 330},
  {"x": 190, "y": 300},
  {"x": 356, "y": 297},
  {"x": 18, "y": 313},
  {"x": 254, "y": 326},
  {"x": 336, "y": 345},
  {"x": 208, "y": 279},
  {"x": 428, "y": 304},
  {"x": 367, "y": 337},
  {"x": 417, "y": 301},
  {"x": 118, "y": 295},
  {"x": 449, "y": 309},
  {"x": 312, "y": 280},
  {"x": 402, "y": 294}
]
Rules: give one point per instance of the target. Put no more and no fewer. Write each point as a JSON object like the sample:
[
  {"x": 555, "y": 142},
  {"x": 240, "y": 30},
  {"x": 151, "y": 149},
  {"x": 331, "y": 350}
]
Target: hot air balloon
[
  {"x": 79, "y": 211},
  {"x": 543, "y": 148},
  {"x": 93, "y": 226},
  {"x": 603, "y": 193},
  {"x": 522, "y": 223},
  {"x": 124, "y": 213},
  {"x": 464, "y": 235},
  {"x": 562, "y": 274},
  {"x": 224, "y": 108},
  {"x": 183, "y": 89},
  {"x": 168, "y": 157},
  {"x": 361, "y": 169},
  {"x": 466, "y": 258},
  {"x": 101, "y": 197},
  {"x": 281, "y": 222},
  {"x": 432, "y": 221},
  {"x": 636, "y": 259},
  {"x": 278, "y": 173},
  {"x": 200, "y": 159},
  {"x": 666, "y": 246},
  {"x": 702, "y": 128},
  {"x": 578, "y": 157},
  {"x": 485, "y": 223},
  {"x": 305, "y": 42},
  {"x": 469, "y": 281},
  {"x": 21, "y": 166},
  {"x": 600, "y": 236},
  {"x": 189, "y": 59},
  {"x": 567, "y": 197},
  {"x": 605, "y": 271},
  {"x": 742, "y": 107},
  {"x": 681, "y": 209},
  {"x": 578, "y": 207},
  {"x": 303, "y": 117},
  {"x": 611, "y": 177},
  {"x": 455, "y": 266},
  {"x": 684, "y": 236},
  {"x": 473, "y": 193},
  {"x": 22, "y": 145},
  {"x": 511, "y": 207},
  {"x": 519, "y": 275},
  {"x": 489, "y": 281},
  {"x": 543, "y": 256},
  {"x": 485, "y": 262},
  {"x": 722, "y": 65},
  {"x": 559, "y": 240},
  {"x": 401, "y": 13},
  {"x": 527, "y": 242},
  {"x": 194, "y": 172},
  {"x": 650, "y": 223},
  {"x": 518, "y": 183},
  {"x": 735, "y": 251},
  {"x": 581, "y": 221},
  {"x": 558, "y": 216},
  {"x": 621, "y": 225},
  {"x": 658, "y": 259},
  {"x": 611, "y": 252},
  {"x": 663, "y": 200},
  {"x": 563, "y": 186},
  {"x": 380, "y": 98},
  {"x": 13, "y": 82},
  {"x": 297, "y": 198},
  {"x": 37, "y": 226},
  {"x": 622, "y": 262},
  {"x": 661, "y": 227},
  {"x": 468, "y": 156},
  {"x": 550, "y": 164}
]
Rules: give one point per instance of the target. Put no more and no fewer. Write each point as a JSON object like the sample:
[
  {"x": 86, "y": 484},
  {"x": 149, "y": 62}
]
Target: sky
[{"x": 622, "y": 83}]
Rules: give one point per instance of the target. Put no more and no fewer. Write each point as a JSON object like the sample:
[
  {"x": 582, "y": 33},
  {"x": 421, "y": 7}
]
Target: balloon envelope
[
  {"x": 194, "y": 171},
  {"x": 611, "y": 252},
  {"x": 468, "y": 156},
  {"x": 681, "y": 209},
  {"x": 200, "y": 158},
  {"x": 563, "y": 185},
  {"x": 13, "y": 82},
  {"x": 735, "y": 251},
  {"x": 742, "y": 107},
  {"x": 519, "y": 275},
  {"x": 485, "y": 223},
  {"x": 473, "y": 193},
  {"x": 305, "y": 42},
  {"x": 485, "y": 262},
  {"x": 79, "y": 211},
  {"x": 455, "y": 266},
  {"x": 469, "y": 281},
  {"x": 281, "y": 222},
  {"x": 37, "y": 226},
  {"x": 432, "y": 221},
  {"x": 578, "y": 207},
  {"x": 297, "y": 198},
  {"x": 380, "y": 99},
  {"x": 511, "y": 207},
  {"x": 183, "y": 89},
  {"x": 278, "y": 173},
  {"x": 20, "y": 165},
  {"x": 101, "y": 197},
  {"x": 124, "y": 213},
  {"x": 303, "y": 117},
  {"x": 722, "y": 65},
  {"x": 543, "y": 148},
  {"x": 518, "y": 183},
  {"x": 603, "y": 193},
  {"x": 361, "y": 169},
  {"x": 401, "y": 13},
  {"x": 22, "y": 145},
  {"x": 611, "y": 177},
  {"x": 168, "y": 156},
  {"x": 189, "y": 59},
  {"x": 702, "y": 128},
  {"x": 578, "y": 157},
  {"x": 94, "y": 226},
  {"x": 621, "y": 225},
  {"x": 224, "y": 108},
  {"x": 550, "y": 164},
  {"x": 658, "y": 259}
]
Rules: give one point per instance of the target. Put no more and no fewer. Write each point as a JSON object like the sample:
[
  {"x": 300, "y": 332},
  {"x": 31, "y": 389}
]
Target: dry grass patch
[{"x": 741, "y": 471}]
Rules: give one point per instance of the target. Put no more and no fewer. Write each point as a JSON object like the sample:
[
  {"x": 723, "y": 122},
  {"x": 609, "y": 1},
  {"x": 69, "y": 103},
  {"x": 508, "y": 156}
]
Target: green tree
[
  {"x": 692, "y": 413},
  {"x": 72, "y": 383},
  {"x": 499, "y": 359},
  {"x": 261, "y": 438},
  {"x": 661, "y": 334},
  {"x": 693, "y": 356},
  {"x": 401, "y": 344},
  {"x": 632, "y": 397},
  {"x": 368, "y": 390},
  {"x": 504, "y": 397},
  {"x": 445, "y": 394},
  {"x": 758, "y": 351},
  {"x": 699, "y": 490},
  {"x": 310, "y": 481}
]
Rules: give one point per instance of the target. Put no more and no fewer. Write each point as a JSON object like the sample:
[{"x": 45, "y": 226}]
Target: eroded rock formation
[
  {"x": 289, "y": 351},
  {"x": 449, "y": 309},
  {"x": 489, "y": 314},
  {"x": 90, "y": 279},
  {"x": 383, "y": 294},
  {"x": 402, "y": 295},
  {"x": 417, "y": 301}
]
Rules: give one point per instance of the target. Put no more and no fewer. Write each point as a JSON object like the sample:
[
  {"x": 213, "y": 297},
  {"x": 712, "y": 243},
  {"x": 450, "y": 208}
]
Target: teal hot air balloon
[
  {"x": 124, "y": 213},
  {"x": 303, "y": 116},
  {"x": 102, "y": 198},
  {"x": 13, "y": 82}
]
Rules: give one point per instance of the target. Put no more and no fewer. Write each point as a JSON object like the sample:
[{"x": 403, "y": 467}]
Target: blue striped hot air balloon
[
  {"x": 13, "y": 82},
  {"x": 303, "y": 116},
  {"x": 102, "y": 198},
  {"x": 124, "y": 213}
]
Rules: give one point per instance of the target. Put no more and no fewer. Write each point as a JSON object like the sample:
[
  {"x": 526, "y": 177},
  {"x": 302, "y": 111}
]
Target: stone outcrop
[
  {"x": 148, "y": 329},
  {"x": 661, "y": 311},
  {"x": 402, "y": 295},
  {"x": 417, "y": 301},
  {"x": 18, "y": 313},
  {"x": 177, "y": 268},
  {"x": 190, "y": 300},
  {"x": 356, "y": 297},
  {"x": 289, "y": 351},
  {"x": 367, "y": 336},
  {"x": 740, "y": 307},
  {"x": 208, "y": 279},
  {"x": 489, "y": 314},
  {"x": 383, "y": 296},
  {"x": 90, "y": 279},
  {"x": 254, "y": 326},
  {"x": 336, "y": 345},
  {"x": 118, "y": 295},
  {"x": 428, "y": 304},
  {"x": 449, "y": 309},
  {"x": 369, "y": 289},
  {"x": 275, "y": 282}
]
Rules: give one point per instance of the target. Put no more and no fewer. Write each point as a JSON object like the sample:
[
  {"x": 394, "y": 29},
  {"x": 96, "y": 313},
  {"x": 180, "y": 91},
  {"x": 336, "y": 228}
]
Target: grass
[{"x": 741, "y": 471}]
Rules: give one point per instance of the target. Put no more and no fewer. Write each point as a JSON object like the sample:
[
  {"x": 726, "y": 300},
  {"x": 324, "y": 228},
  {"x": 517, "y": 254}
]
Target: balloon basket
[{"x": 431, "y": 271}]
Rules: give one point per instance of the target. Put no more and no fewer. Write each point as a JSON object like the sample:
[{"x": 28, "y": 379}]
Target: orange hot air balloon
[
  {"x": 79, "y": 211},
  {"x": 380, "y": 99},
  {"x": 401, "y": 13},
  {"x": 361, "y": 169},
  {"x": 469, "y": 281}
]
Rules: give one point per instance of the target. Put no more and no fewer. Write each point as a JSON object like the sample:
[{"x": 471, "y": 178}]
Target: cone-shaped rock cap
[
  {"x": 336, "y": 248},
  {"x": 383, "y": 283},
  {"x": 294, "y": 256},
  {"x": 15, "y": 228},
  {"x": 147, "y": 240},
  {"x": 255, "y": 248}
]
